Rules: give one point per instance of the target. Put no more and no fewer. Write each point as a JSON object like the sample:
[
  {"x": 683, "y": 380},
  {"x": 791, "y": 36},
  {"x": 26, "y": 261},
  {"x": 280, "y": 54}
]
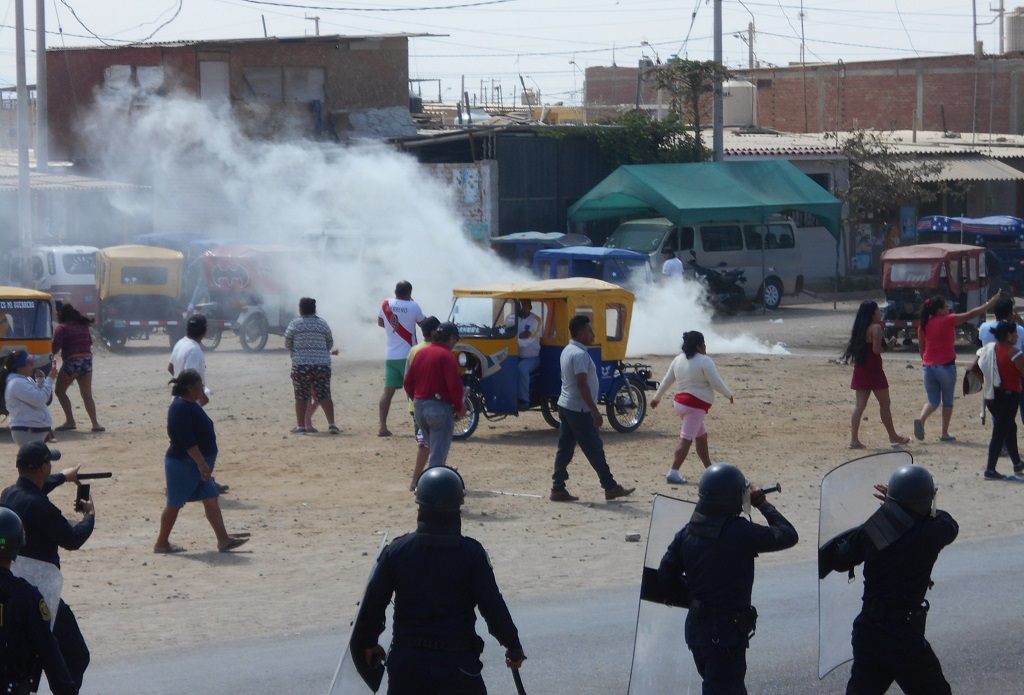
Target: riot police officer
[
  {"x": 46, "y": 529},
  {"x": 898, "y": 545},
  {"x": 710, "y": 566},
  {"x": 437, "y": 576},
  {"x": 26, "y": 643}
]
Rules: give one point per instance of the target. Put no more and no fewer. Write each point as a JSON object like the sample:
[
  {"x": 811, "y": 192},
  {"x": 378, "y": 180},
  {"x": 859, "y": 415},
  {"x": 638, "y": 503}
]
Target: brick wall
[{"x": 949, "y": 93}]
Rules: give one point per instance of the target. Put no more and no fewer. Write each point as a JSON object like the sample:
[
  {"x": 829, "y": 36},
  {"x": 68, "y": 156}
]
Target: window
[
  {"x": 615, "y": 315},
  {"x": 142, "y": 275},
  {"x": 80, "y": 263},
  {"x": 562, "y": 269},
  {"x": 780, "y": 236},
  {"x": 686, "y": 239},
  {"x": 724, "y": 238},
  {"x": 277, "y": 85}
]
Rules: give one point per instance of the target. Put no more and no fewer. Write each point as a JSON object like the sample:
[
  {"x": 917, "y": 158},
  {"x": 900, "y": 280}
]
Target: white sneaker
[{"x": 674, "y": 477}]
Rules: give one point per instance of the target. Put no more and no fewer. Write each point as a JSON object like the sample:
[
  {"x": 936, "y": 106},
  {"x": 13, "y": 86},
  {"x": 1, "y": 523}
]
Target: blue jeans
[
  {"x": 578, "y": 428},
  {"x": 437, "y": 420},
  {"x": 526, "y": 366},
  {"x": 939, "y": 384}
]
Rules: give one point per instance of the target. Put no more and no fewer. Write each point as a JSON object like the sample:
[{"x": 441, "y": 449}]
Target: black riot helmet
[
  {"x": 723, "y": 489},
  {"x": 440, "y": 489},
  {"x": 913, "y": 488},
  {"x": 12, "y": 534}
]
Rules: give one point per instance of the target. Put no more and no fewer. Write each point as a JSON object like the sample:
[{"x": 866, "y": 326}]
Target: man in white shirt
[
  {"x": 673, "y": 267},
  {"x": 187, "y": 353},
  {"x": 399, "y": 318},
  {"x": 529, "y": 347}
]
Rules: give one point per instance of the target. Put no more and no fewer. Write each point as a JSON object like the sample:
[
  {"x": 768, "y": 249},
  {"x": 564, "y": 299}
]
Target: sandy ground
[{"x": 317, "y": 505}]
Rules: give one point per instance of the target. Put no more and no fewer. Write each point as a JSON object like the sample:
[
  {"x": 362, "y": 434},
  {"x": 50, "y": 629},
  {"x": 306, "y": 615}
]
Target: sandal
[
  {"x": 858, "y": 445},
  {"x": 233, "y": 543},
  {"x": 169, "y": 549},
  {"x": 65, "y": 428},
  {"x": 298, "y": 430},
  {"x": 98, "y": 429},
  {"x": 947, "y": 438},
  {"x": 902, "y": 441}
]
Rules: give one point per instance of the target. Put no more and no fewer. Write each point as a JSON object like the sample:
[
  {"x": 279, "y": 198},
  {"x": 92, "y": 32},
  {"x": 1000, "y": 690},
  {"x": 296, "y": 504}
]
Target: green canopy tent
[{"x": 709, "y": 192}]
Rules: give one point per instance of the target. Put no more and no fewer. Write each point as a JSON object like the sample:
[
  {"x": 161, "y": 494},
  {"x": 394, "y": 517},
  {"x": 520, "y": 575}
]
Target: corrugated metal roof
[
  {"x": 969, "y": 169},
  {"x": 260, "y": 39}
]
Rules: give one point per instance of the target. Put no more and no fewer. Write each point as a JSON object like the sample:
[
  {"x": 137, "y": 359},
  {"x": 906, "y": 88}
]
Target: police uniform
[
  {"x": 888, "y": 634},
  {"x": 715, "y": 554},
  {"x": 26, "y": 643},
  {"x": 46, "y": 529},
  {"x": 437, "y": 580}
]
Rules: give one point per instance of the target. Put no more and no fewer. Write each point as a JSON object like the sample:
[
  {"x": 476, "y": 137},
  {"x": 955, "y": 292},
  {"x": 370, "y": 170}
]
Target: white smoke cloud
[{"x": 392, "y": 221}]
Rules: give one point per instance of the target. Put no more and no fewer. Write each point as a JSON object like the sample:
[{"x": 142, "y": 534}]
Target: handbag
[{"x": 974, "y": 380}]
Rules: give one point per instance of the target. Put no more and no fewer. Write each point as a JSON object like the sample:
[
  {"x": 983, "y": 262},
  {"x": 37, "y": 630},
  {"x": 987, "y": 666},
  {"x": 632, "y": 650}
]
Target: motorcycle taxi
[
  {"x": 139, "y": 294},
  {"x": 488, "y": 349},
  {"x": 247, "y": 292},
  {"x": 912, "y": 274},
  {"x": 26, "y": 323}
]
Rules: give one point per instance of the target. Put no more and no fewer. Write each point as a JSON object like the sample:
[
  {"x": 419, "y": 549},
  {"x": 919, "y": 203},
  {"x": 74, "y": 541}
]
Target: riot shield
[
  {"x": 661, "y": 661},
  {"x": 847, "y": 500},
  {"x": 350, "y": 679}
]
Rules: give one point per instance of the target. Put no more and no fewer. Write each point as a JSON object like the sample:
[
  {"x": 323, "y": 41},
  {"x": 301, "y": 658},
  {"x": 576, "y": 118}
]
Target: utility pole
[
  {"x": 42, "y": 119},
  {"x": 718, "y": 136},
  {"x": 24, "y": 179},
  {"x": 316, "y": 22}
]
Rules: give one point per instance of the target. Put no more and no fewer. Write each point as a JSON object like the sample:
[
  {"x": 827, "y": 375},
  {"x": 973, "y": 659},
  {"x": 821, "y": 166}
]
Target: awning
[
  {"x": 967, "y": 169},
  {"x": 689, "y": 194}
]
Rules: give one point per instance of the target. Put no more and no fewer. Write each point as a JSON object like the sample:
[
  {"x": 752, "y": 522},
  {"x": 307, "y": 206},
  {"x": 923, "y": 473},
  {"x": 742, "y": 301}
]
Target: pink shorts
[{"x": 693, "y": 421}]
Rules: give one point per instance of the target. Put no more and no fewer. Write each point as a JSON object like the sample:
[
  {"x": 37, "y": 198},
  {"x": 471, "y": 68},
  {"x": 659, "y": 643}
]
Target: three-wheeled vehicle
[
  {"x": 26, "y": 323},
  {"x": 488, "y": 350},
  {"x": 140, "y": 293},
  {"x": 617, "y": 266},
  {"x": 519, "y": 248},
  {"x": 247, "y": 288},
  {"x": 912, "y": 274}
]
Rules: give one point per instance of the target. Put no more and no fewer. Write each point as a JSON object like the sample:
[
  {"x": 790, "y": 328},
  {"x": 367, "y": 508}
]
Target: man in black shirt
[
  {"x": 46, "y": 529},
  {"x": 709, "y": 566},
  {"x": 438, "y": 577}
]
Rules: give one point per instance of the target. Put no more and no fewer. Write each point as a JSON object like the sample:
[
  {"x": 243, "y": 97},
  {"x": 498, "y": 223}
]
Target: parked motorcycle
[{"x": 724, "y": 287}]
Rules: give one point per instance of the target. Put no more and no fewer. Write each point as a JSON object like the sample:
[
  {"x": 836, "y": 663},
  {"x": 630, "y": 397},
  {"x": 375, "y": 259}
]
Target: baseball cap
[
  {"x": 448, "y": 329},
  {"x": 32, "y": 456},
  {"x": 429, "y": 325},
  {"x": 196, "y": 321},
  {"x": 668, "y": 249}
]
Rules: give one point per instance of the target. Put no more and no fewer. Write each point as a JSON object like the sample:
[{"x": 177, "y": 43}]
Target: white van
[{"x": 767, "y": 251}]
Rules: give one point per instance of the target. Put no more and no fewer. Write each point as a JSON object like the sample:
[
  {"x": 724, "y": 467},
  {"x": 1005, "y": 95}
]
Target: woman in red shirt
[
  {"x": 73, "y": 340},
  {"x": 1006, "y": 399},
  {"x": 936, "y": 338}
]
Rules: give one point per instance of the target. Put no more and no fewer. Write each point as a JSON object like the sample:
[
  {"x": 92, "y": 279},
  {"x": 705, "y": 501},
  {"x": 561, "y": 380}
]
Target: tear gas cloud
[{"x": 388, "y": 220}]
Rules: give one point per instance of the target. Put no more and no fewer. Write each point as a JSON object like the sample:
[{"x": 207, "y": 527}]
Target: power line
[{"x": 376, "y": 9}]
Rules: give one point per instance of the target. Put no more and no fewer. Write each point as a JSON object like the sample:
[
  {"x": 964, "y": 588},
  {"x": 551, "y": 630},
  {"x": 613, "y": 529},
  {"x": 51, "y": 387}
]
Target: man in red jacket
[{"x": 434, "y": 384}]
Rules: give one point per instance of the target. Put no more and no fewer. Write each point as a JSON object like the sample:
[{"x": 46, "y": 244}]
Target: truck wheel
[
  {"x": 254, "y": 333},
  {"x": 627, "y": 406},
  {"x": 771, "y": 294}
]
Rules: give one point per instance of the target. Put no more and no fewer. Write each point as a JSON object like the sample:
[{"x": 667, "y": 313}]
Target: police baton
[
  {"x": 94, "y": 476},
  {"x": 520, "y": 690}
]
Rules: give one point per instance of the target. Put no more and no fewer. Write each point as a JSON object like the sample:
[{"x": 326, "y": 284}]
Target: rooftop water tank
[
  {"x": 1015, "y": 31},
  {"x": 739, "y": 104}
]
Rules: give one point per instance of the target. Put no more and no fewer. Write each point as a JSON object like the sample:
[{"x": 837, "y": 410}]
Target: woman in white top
[
  {"x": 27, "y": 395},
  {"x": 696, "y": 379}
]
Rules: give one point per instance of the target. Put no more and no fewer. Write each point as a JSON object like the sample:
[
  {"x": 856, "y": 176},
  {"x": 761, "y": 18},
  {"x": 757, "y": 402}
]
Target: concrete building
[{"x": 330, "y": 87}]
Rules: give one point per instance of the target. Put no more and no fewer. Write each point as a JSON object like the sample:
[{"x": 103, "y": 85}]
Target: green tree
[
  {"x": 689, "y": 84},
  {"x": 882, "y": 179},
  {"x": 635, "y": 138}
]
